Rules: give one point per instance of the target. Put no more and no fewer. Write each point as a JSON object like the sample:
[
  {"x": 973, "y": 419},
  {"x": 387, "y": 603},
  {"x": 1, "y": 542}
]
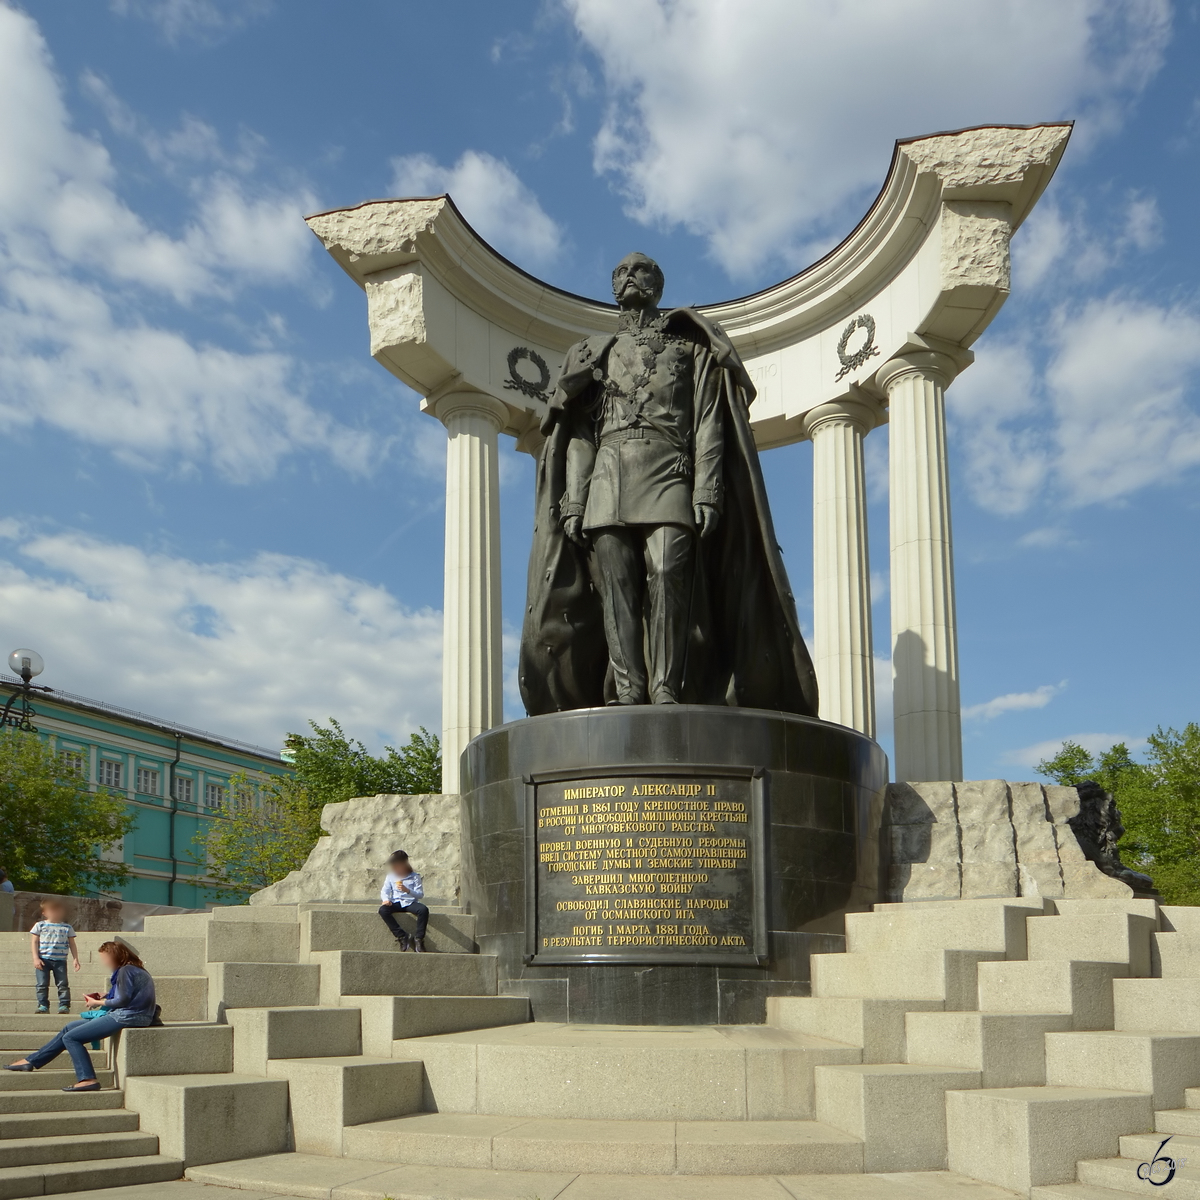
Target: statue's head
[{"x": 637, "y": 281}]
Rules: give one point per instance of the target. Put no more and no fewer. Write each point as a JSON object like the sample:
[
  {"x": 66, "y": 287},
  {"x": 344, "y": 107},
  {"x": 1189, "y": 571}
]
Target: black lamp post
[{"x": 27, "y": 664}]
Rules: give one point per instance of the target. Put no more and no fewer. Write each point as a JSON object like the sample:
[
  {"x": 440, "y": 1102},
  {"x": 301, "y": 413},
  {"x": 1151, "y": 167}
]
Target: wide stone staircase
[
  {"x": 987, "y": 1048},
  {"x": 53, "y": 1142},
  {"x": 270, "y": 981}
]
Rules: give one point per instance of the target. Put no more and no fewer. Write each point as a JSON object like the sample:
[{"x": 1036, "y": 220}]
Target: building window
[
  {"x": 110, "y": 773},
  {"x": 72, "y": 763},
  {"x": 214, "y": 795},
  {"x": 147, "y": 781},
  {"x": 183, "y": 789}
]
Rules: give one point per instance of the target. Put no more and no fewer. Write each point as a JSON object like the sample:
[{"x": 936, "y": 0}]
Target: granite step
[
  {"x": 625, "y": 1147},
  {"x": 624, "y": 1073},
  {"x": 1121, "y": 1175},
  {"x": 45, "y": 1024},
  {"x": 1184, "y": 1121},
  {"x": 67, "y": 1124},
  {"x": 1028, "y": 1137},
  {"x": 52, "y": 1178},
  {"x": 30, "y": 1151},
  {"x": 354, "y": 929},
  {"x": 371, "y": 973},
  {"x": 1074, "y": 1191},
  {"x": 84, "y": 982},
  {"x": 356, "y": 1179},
  {"x": 386, "y": 1019},
  {"x": 98, "y": 1057},
  {"x": 946, "y": 975},
  {"x": 47, "y": 1077},
  {"x": 877, "y": 1027},
  {"x": 57, "y": 1100},
  {"x": 1142, "y": 1147}
]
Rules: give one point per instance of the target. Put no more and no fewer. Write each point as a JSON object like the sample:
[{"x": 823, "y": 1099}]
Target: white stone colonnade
[{"x": 872, "y": 334}]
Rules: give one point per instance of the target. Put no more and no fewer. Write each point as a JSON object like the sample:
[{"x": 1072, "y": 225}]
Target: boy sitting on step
[{"x": 402, "y": 892}]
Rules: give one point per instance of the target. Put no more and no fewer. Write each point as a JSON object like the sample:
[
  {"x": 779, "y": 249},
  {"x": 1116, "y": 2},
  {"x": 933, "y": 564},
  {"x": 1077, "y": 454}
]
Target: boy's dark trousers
[
  {"x": 58, "y": 968},
  {"x": 417, "y": 909}
]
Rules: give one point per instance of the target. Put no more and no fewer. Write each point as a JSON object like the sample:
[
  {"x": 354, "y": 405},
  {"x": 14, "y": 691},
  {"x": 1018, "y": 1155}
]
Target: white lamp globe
[{"x": 26, "y": 663}]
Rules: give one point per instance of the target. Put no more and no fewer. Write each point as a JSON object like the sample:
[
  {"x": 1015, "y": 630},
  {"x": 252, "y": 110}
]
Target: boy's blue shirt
[
  {"x": 53, "y": 939},
  {"x": 393, "y": 893}
]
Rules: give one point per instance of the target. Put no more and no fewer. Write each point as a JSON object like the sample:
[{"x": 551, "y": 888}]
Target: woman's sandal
[
  {"x": 94, "y": 1086},
  {"x": 19, "y": 1067}
]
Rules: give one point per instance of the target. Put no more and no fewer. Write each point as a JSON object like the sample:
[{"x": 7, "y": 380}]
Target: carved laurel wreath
[
  {"x": 518, "y": 383},
  {"x": 851, "y": 362}
]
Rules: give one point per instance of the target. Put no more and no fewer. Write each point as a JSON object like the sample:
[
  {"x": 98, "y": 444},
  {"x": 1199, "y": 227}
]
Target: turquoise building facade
[{"x": 174, "y": 779}]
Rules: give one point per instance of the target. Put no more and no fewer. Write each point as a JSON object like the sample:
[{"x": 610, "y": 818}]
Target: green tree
[
  {"x": 1159, "y": 802},
  {"x": 333, "y": 767},
  {"x": 54, "y": 830},
  {"x": 263, "y": 830},
  {"x": 267, "y": 828},
  {"x": 1113, "y": 769}
]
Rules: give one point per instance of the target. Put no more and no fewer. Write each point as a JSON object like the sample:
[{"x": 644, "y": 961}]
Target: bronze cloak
[{"x": 744, "y": 642}]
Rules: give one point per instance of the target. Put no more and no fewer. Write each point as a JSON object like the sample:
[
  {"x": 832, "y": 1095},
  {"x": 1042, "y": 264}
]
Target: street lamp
[{"x": 27, "y": 664}]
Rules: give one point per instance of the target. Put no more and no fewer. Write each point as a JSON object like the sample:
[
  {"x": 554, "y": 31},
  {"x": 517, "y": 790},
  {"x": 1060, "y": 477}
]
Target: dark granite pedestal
[{"x": 668, "y": 865}]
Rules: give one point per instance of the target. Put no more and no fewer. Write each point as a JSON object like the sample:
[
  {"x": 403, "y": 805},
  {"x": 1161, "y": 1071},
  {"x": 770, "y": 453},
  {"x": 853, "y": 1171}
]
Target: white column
[
  {"x": 841, "y": 572},
  {"x": 472, "y": 673},
  {"x": 928, "y": 728}
]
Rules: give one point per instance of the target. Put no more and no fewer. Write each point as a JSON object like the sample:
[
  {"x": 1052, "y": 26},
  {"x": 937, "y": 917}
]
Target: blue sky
[{"x": 219, "y": 509}]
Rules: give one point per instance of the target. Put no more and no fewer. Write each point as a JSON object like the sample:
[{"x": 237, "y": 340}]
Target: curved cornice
[
  {"x": 1009, "y": 164},
  {"x": 380, "y": 234},
  {"x": 930, "y": 258}
]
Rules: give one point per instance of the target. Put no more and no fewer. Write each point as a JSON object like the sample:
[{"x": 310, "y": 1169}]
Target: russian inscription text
[{"x": 646, "y": 867}]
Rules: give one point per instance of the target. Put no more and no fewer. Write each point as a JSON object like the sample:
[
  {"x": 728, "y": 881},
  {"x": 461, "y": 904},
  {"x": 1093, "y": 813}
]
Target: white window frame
[
  {"x": 113, "y": 770},
  {"x": 74, "y": 762},
  {"x": 214, "y": 795},
  {"x": 184, "y": 787},
  {"x": 147, "y": 775}
]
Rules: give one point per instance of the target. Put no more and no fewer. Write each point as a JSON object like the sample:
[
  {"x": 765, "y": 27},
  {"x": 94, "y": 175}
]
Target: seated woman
[{"x": 130, "y": 1001}]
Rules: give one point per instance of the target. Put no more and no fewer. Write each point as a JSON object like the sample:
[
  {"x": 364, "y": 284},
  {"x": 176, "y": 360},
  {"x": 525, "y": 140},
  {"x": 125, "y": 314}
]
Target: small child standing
[
  {"x": 402, "y": 892},
  {"x": 52, "y": 938}
]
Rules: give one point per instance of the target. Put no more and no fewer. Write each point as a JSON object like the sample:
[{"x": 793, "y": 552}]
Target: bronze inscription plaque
[{"x": 647, "y": 868}]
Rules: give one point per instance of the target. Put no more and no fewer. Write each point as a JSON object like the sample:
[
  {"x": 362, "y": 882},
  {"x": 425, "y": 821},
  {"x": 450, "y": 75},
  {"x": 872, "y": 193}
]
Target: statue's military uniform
[{"x": 645, "y": 450}]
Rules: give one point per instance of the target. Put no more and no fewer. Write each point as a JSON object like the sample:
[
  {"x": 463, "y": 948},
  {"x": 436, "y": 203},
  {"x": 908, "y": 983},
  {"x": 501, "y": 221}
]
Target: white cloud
[
  {"x": 56, "y": 197},
  {"x": 263, "y": 238},
  {"x": 194, "y": 142},
  {"x": 1079, "y": 244},
  {"x": 75, "y": 351},
  {"x": 1143, "y": 222},
  {"x": 1049, "y": 537},
  {"x": 1118, "y": 383},
  {"x": 490, "y": 195},
  {"x": 754, "y": 132},
  {"x": 250, "y": 649},
  {"x": 875, "y": 461},
  {"x": 995, "y": 411},
  {"x": 1013, "y": 702},
  {"x": 1110, "y": 415},
  {"x": 59, "y": 205},
  {"x": 151, "y": 396},
  {"x": 202, "y": 20},
  {"x": 1095, "y": 743},
  {"x": 883, "y": 695}
]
